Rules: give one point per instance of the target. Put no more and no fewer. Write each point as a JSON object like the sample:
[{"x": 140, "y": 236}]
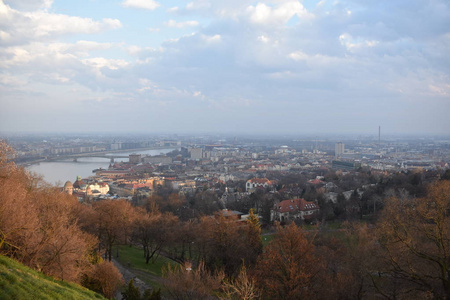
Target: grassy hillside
[{"x": 20, "y": 282}]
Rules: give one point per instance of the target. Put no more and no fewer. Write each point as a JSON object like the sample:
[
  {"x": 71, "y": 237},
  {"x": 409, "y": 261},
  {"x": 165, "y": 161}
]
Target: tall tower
[
  {"x": 379, "y": 134},
  {"x": 339, "y": 149}
]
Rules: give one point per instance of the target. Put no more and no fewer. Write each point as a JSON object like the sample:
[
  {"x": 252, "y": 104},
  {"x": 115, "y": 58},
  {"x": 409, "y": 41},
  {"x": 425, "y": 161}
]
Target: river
[{"x": 58, "y": 172}]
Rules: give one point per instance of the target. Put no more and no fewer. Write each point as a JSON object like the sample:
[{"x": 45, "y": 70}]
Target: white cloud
[
  {"x": 353, "y": 44},
  {"x": 144, "y": 4},
  {"x": 201, "y": 4},
  {"x": 263, "y": 39},
  {"x": 101, "y": 62},
  {"x": 30, "y": 4},
  {"x": 278, "y": 15},
  {"x": 23, "y": 27},
  {"x": 112, "y": 23},
  {"x": 175, "y": 24},
  {"x": 46, "y": 24},
  {"x": 211, "y": 39},
  {"x": 442, "y": 90},
  {"x": 173, "y": 9},
  {"x": 298, "y": 56}
]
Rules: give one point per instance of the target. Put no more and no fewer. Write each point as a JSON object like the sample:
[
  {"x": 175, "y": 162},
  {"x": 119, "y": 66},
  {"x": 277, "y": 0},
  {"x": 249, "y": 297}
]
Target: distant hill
[{"x": 20, "y": 282}]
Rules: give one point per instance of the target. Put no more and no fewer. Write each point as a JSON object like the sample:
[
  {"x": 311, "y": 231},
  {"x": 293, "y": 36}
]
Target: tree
[
  {"x": 186, "y": 282},
  {"x": 287, "y": 268},
  {"x": 107, "y": 277},
  {"x": 243, "y": 287},
  {"x": 112, "y": 223},
  {"x": 152, "y": 295},
  {"x": 347, "y": 262},
  {"x": 252, "y": 235},
  {"x": 131, "y": 292},
  {"x": 229, "y": 243},
  {"x": 59, "y": 247},
  {"x": 415, "y": 234},
  {"x": 153, "y": 231},
  {"x": 38, "y": 226}
]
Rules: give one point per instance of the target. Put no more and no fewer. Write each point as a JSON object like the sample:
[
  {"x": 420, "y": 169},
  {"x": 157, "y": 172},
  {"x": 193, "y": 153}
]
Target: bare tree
[{"x": 415, "y": 234}]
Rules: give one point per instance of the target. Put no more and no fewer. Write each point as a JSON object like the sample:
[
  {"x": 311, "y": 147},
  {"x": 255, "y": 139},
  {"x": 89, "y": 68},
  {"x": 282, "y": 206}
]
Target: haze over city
[{"x": 275, "y": 67}]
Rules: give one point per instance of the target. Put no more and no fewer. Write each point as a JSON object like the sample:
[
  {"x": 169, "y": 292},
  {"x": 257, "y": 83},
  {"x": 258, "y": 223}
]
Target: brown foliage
[
  {"x": 39, "y": 224},
  {"x": 415, "y": 234},
  {"x": 188, "y": 242},
  {"x": 185, "y": 282},
  {"x": 287, "y": 268},
  {"x": 112, "y": 223},
  {"x": 107, "y": 277},
  {"x": 19, "y": 218},
  {"x": 229, "y": 243},
  {"x": 347, "y": 262},
  {"x": 38, "y": 228},
  {"x": 153, "y": 231},
  {"x": 243, "y": 287}
]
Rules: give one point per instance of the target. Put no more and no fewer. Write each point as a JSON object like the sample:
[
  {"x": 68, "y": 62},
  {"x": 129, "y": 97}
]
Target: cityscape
[
  {"x": 224, "y": 164},
  {"x": 239, "y": 149}
]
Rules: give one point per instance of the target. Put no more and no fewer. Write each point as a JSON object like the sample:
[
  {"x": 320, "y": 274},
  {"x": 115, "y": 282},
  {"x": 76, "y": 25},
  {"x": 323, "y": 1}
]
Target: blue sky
[{"x": 236, "y": 66}]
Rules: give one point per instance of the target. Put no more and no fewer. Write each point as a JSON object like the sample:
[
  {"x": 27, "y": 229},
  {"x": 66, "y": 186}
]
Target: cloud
[
  {"x": 23, "y": 27},
  {"x": 328, "y": 60},
  {"x": 175, "y": 24},
  {"x": 30, "y": 5},
  {"x": 354, "y": 44},
  {"x": 173, "y": 9},
  {"x": 144, "y": 4}
]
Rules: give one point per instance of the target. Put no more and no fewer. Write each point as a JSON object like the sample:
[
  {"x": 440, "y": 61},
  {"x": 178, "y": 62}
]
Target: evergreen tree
[
  {"x": 131, "y": 292},
  {"x": 152, "y": 295}
]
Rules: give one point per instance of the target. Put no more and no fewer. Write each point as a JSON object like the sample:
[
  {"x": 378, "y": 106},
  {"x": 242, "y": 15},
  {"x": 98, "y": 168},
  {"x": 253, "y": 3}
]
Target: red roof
[
  {"x": 295, "y": 205},
  {"x": 316, "y": 181}
]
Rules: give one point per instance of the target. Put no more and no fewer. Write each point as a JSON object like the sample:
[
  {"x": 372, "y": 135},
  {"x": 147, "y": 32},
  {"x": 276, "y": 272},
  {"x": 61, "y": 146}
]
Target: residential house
[
  {"x": 254, "y": 183},
  {"x": 294, "y": 209}
]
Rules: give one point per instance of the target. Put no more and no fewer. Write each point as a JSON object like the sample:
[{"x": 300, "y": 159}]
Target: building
[
  {"x": 339, "y": 149},
  {"x": 254, "y": 183},
  {"x": 134, "y": 158},
  {"x": 158, "y": 159},
  {"x": 68, "y": 187},
  {"x": 196, "y": 153},
  {"x": 345, "y": 165},
  {"x": 101, "y": 188},
  {"x": 294, "y": 209}
]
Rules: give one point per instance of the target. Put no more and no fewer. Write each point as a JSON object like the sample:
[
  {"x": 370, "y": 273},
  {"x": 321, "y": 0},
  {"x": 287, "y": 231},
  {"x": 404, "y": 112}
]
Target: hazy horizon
[
  {"x": 228, "y": 135},
  {"x": 269, "y": 67}
]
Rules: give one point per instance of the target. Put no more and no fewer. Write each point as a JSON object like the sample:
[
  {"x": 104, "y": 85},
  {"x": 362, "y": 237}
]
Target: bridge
[
  {"x": 75, "y": 157},
  {"x": 111, "y": 154},
  {"x": 110, "y": 157}
]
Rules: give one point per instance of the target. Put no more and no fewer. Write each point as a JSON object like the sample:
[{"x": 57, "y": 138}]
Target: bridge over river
[{"x": 111, "y": 154}]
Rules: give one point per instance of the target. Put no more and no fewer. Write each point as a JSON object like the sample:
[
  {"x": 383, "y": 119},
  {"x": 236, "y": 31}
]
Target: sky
[{"x": 234, "y": 66}]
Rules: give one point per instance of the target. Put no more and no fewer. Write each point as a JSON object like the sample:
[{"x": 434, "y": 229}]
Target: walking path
[{"x": 127, "y": 276}]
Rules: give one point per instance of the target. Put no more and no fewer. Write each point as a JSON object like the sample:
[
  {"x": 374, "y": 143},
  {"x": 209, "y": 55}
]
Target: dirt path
[{"x": 129, "y": 274}]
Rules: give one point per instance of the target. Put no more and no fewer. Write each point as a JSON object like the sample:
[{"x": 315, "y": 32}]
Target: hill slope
[{"x": 20, "y": 282}]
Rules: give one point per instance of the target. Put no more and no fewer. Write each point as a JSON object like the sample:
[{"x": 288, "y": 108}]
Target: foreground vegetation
[{"x": 20, "y": 282}]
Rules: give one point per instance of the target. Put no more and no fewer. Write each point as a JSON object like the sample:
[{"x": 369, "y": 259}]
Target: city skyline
[{"x": 261, "y": 67}]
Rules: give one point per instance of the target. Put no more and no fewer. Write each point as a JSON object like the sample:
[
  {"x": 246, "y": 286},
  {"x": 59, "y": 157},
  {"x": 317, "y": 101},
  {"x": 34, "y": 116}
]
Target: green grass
[
  {"x": 20, "y": 282},
  {"x": 133, "y": 257},
  {"x": 267, "y": 238},
  {"x": 333, "y": 225}
]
